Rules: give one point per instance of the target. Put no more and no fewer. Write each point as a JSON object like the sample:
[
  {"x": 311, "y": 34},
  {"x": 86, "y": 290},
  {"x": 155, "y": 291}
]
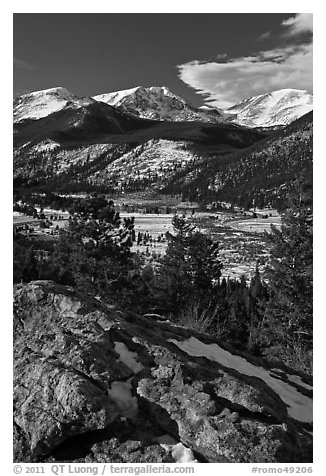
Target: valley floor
[
  {"x": 242, "y": 241},
  {"x": 241, "y": 237}
]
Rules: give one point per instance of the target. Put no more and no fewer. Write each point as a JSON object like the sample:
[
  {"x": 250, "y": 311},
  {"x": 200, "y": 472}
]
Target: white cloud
[
  {"x": 265, "y": 36},
  {"x": 300, "y": 23},
  {"x": 227, "y": 82}
]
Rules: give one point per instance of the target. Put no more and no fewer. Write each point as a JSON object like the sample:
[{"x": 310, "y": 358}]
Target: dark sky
[{"x": 91, "y": 54}]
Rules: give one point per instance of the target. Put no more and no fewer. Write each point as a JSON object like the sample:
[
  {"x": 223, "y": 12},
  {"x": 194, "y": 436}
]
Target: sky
[{"x": 208, "y": 58}]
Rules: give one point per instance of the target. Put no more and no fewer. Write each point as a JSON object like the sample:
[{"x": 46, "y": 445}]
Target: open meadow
[
  {"x": 242, "y": 241},
  {"x": 241, "y": 236}
]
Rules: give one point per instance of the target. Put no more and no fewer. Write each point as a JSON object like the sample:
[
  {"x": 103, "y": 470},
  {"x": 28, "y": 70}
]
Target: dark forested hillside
[
  {"x": 268, "y": 173},
  {"x": 77, "y": 126},
  {"x": 77, "y": 147}
]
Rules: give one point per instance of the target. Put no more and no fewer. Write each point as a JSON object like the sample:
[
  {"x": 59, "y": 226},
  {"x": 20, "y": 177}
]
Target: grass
[
  {"x": 199, "y": 318},
  {"x": 256, "y": 225}
]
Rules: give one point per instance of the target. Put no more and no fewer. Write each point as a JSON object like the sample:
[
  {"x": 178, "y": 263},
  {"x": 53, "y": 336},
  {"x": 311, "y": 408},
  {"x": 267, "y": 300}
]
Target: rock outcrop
[{"x": 94, "y": 384}]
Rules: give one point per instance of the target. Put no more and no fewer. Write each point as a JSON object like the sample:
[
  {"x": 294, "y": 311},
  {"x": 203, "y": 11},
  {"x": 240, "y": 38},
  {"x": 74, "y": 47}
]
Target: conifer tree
[
  {"x": 288, "y": 317},
  {"x": 190, "y": 266},
  {"x": 94, "y": 253}
]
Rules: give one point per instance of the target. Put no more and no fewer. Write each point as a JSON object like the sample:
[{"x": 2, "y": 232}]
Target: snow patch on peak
[
  {"x": 40, "y": 104},
  {"x": 163, "y": 89},
  {"x": 280, "y": 107},
  {"x": 155, "y": 102},
  {"x": 59, "y": 90},
  {"x": 115, "y": 97},
  {"x": 166, "y": 90},
  {"x": 207, "y": 107}
]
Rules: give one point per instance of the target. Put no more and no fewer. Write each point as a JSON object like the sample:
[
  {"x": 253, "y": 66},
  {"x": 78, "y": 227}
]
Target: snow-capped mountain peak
[
  {"x": 38, "y": 104},
  {"x": 274, "y": 108},
  {"x": 56, "y": 91},
  {"x": 271, "y": 109},
  {"x": 155, "y": 102},
  {"x": 115, "y": 97}
]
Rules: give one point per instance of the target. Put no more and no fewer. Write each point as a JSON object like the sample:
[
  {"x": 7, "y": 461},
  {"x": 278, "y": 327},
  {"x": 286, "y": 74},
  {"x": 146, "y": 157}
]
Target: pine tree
[
  {"x": 189, "y": 268},
  {"x": 24, "y": 261},
  {"x": 288, "y": 318},
  {"x": 94, "y": 253},
  {"x": 257, "y": 302}
]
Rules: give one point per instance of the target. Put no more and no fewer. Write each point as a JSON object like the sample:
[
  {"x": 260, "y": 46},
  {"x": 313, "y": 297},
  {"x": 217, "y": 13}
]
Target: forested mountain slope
[
  {"x": 267, "y": 173},
  {"x": 80, "y": 145}
]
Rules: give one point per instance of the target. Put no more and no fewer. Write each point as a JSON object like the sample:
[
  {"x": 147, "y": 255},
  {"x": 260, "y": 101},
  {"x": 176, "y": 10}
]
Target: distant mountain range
[
  {"x": 66, "y": 144},
  {"x": 122, "y": 142},
  {"x": 276, "y": 108},
  {"x": 157, "y": 103}
]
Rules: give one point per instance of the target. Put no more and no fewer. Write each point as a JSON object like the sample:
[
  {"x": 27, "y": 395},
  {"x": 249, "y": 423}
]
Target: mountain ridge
[
  {"x": 38, "y": 104},
  {"x": 71, "y": 141},
  {"x": 272, "y": 109},
  {"x": 156, "y": 102},
  {"x": 280, "y": 107},
  {"x": 103, "y": 146}
]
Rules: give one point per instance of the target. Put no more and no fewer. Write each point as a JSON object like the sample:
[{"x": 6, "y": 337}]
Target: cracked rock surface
[{"x": 94, "y": 384}]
